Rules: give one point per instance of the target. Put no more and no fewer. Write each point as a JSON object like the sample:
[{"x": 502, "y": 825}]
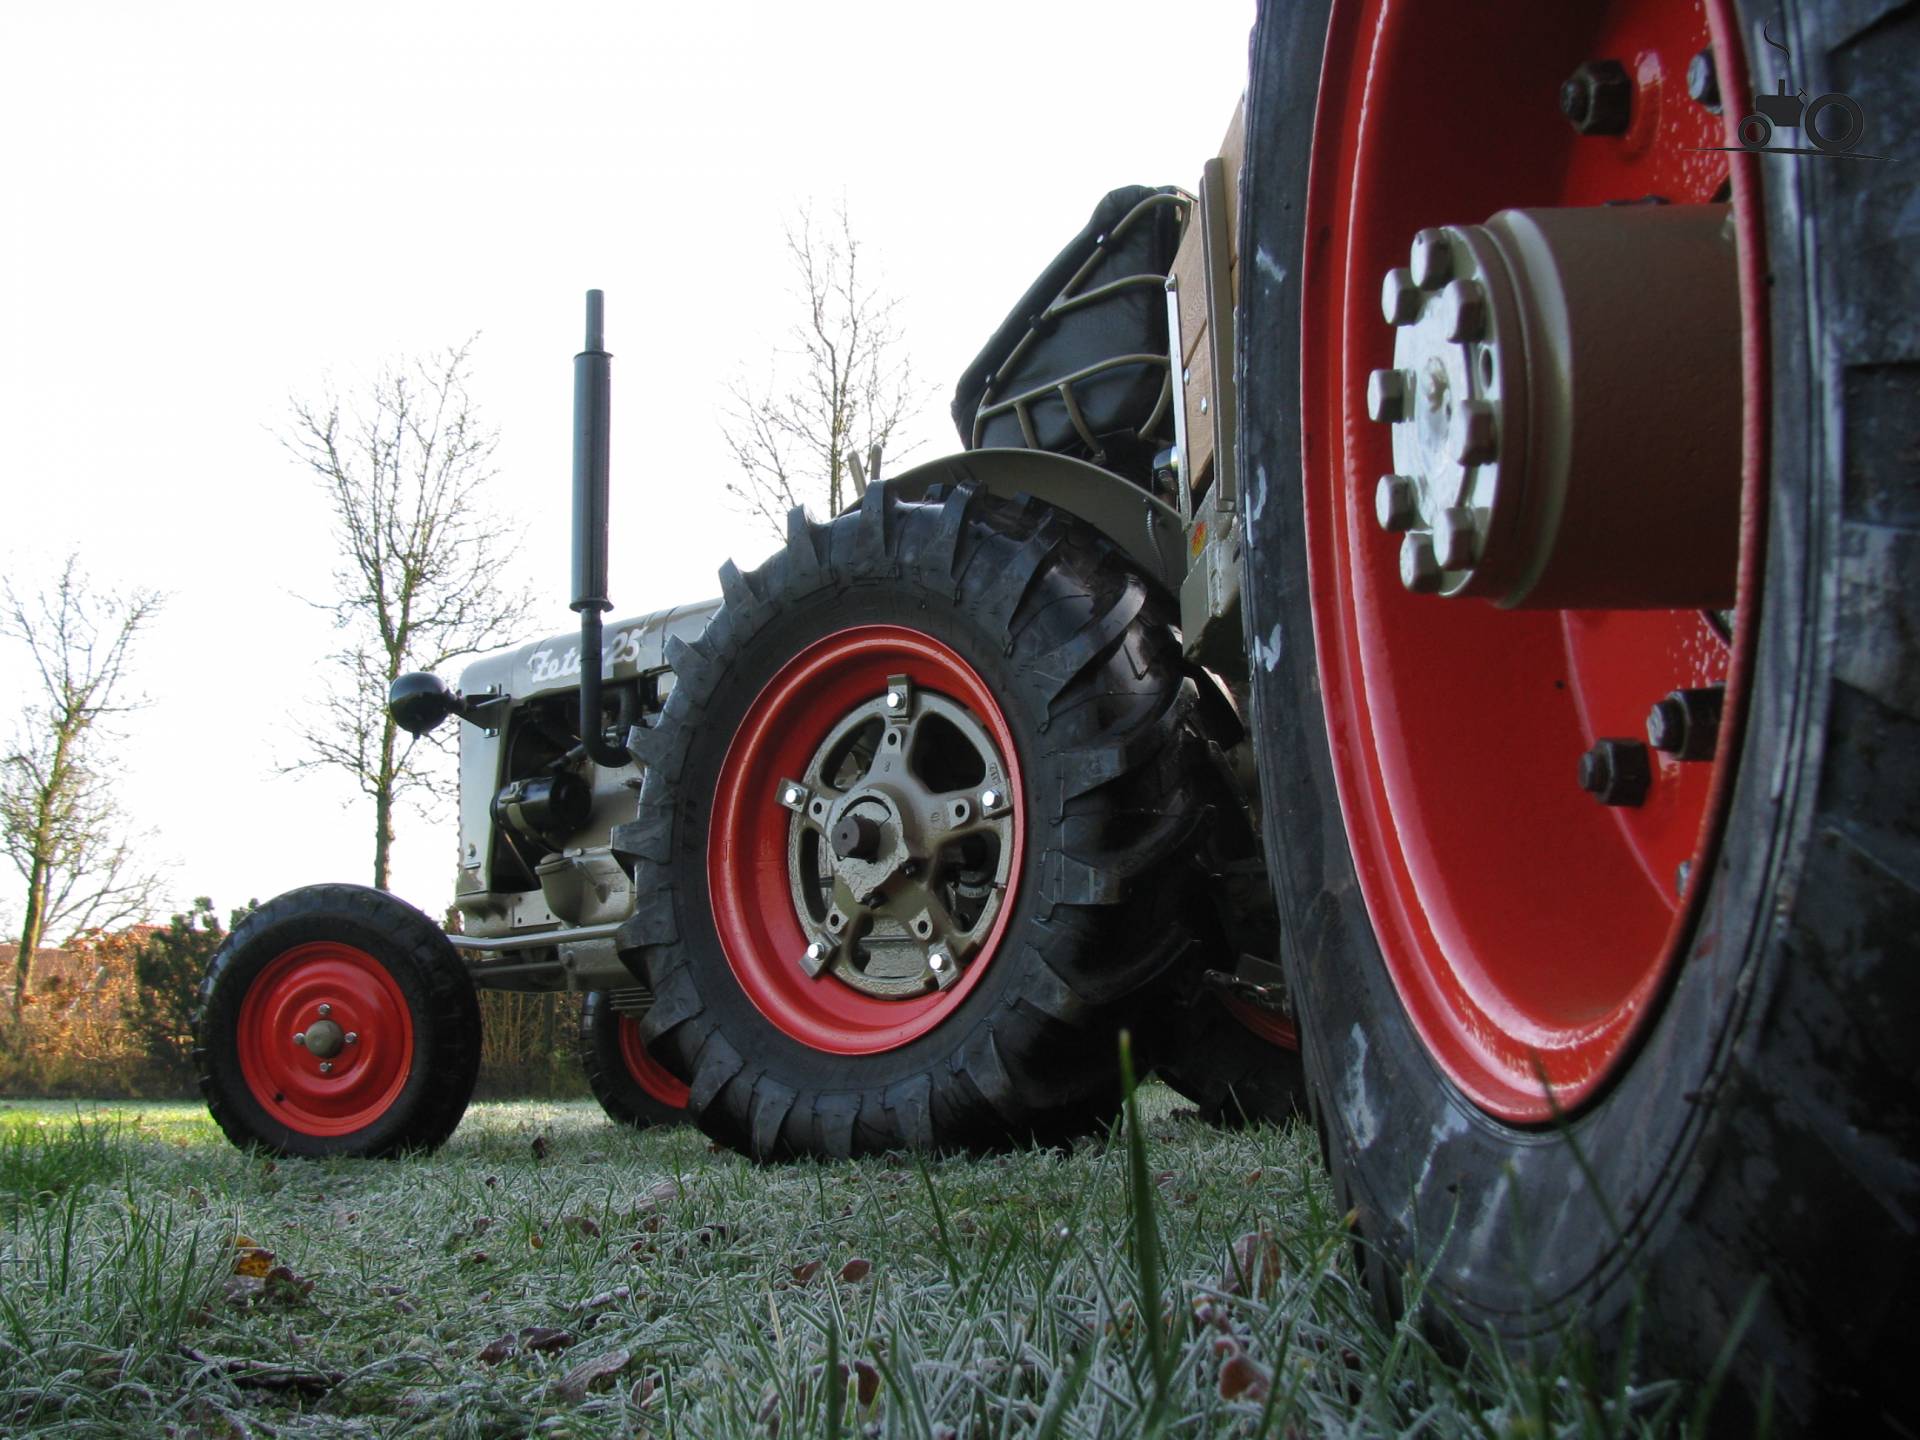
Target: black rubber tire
[
  {"x": 1761, "y": 1146},
  {"x": 1081, "y": 655},
  {"x": 440, "y": 1002},
  {"x": 1233, "y": 1076},
  {"x": 610, "y": 1077}
]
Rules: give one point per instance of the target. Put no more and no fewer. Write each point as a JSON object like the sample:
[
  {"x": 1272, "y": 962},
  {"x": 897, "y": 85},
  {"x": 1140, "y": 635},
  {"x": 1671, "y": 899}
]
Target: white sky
[{"x": 208, "y": 208}]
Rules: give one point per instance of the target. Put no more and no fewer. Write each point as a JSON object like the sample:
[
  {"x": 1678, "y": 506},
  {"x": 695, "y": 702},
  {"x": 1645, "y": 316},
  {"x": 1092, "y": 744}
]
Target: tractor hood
[{"x": 544, "y": 667}]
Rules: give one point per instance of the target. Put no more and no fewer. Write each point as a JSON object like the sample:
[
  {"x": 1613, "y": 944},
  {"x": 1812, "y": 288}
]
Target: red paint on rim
[
  {"x": 1270, "y": 1026},
  {"x": 364, "y": 1000},
  {"x": 648, "y": 1073},
  {"x": 1528, "y": 929},
  {"x": 753, "y": 908}
]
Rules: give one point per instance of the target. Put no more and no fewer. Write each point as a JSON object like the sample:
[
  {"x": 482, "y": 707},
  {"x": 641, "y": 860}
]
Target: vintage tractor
[{"x": 1440, "y": 603}]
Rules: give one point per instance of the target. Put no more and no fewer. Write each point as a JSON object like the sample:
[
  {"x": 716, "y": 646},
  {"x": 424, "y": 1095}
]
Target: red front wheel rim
[
  {"x": 648, "y": 1073},
  {"x": 1528, "y": 930},
  {"x": 760, "y": 928},
  {"x": 325, "y": 1039}
]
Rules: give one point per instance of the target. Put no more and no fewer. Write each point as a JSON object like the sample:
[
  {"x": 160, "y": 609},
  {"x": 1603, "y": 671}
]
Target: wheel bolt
[
  {"x": 1387, "y": 396},
  {"x": 1400, "y": 298},
  {"x": 1473, "y": 436},
  {"x": 813, "y": 958},
  {"x": 1432, "y": 263},
  {"x": 1597, "y": 99},
  {"x": 1703, "y": 81},
  {"x": 1419, "y": 568},
  {"x": 1456, "y": 538},
  {"x": 326, "y": 1067},
  {"x": 989, "y": 799},
  {"x": 1686, "y": 724},
  {"x": 1463, "y": 311},
  {"x": 353, "y": 1037},
  {"x": 300, "y": 1038},
  {"x": 792, "y": 795},
  {"x": 1396, "y": 504},
  {"x": 1616, "y": 772},
  {"x": 325, "y": 1010}
]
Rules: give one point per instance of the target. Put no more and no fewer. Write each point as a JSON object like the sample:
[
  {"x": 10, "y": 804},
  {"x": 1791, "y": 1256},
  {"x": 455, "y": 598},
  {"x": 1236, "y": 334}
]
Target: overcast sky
[{"x": 210, "y": 208}]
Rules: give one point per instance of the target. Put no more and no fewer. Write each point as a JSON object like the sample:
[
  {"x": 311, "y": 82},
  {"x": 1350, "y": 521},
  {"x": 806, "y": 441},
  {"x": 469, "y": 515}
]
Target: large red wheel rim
[
  {"x": 648, "y": 1073},
  {"x": 1529, "y": 931},
  {"x": 754, "y": 915},
  {"x": 360, "y": 1054}
]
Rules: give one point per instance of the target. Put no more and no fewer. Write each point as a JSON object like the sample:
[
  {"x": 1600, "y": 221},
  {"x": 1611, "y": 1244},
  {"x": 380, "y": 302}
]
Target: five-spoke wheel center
[{"x": 899, "y": 844}]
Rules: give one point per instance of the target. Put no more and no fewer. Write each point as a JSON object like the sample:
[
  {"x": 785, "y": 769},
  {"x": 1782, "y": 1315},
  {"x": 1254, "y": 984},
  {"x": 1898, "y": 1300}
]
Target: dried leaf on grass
[
  {"x": 1241, "y": 1376},
  {"x": 268, "y": 1375},
  {"x": 531, "y": 1340},
  {"x": 1253, "y": 1265},
  {"x": 595, "y": 1374},
  {"x": 803, "y": 1274},
  {"x": 618, "y": 1295},
  {"x": 542, "y": 1146},
  {"x": 855, "y": 1270}
]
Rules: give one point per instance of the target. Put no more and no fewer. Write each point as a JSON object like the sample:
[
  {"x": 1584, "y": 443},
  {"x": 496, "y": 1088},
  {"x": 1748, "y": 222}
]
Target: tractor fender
[{"x": 1147, "y": 529}]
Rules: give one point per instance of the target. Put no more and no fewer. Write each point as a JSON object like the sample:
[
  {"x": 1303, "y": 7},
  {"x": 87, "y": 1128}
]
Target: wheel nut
[
  {"x": 1396, "y": 503},
  {"x": 1456, "y": 539},
  {"x": 895, "y": 700},
  {"x": 1419, "y": 568},
  {"x": 1472, "y": 436},
  {"x": 1432, "y": 263},
  {"x": 300, "y": 1038},
  {"x": 1616, "y": 772},
  {"x": 813, "y": 958},
  {"x": 1387, "y": 396},
  {"x": 353, "y": 1037},
  {"x": 325, "y": 1010},
  {"x": 1400, "y": 298},
  {"x": 1686, "y": 724},
  {"x": 989, "y": 799},
  {"x": 326, "y": 1067},
  {"x": 1463, "y": 311},
  {"x": 792, "y": 795},
  {"x": 1597, "y": 99}
]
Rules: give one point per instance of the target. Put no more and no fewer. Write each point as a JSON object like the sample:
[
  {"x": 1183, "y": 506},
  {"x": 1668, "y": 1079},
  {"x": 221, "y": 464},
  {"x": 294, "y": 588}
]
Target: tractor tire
[
  {"x": 352, "y": 979},
  {"x": 632, "y": 1087},
  {"x": 982, "y": 695},
  {"x": 1238, "y": 1065},
  {"x": 1736, "y": 1183}
]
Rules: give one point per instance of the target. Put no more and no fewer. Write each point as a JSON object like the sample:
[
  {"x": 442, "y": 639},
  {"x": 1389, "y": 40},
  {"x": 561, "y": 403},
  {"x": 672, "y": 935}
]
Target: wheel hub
[{"x": 1565, "y": 400}]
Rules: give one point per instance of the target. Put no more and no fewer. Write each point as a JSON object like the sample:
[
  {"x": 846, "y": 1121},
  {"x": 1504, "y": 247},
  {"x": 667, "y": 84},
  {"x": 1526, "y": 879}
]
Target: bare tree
[
  {"x": 406, "y": 469},
  {"x": 59, "y": 821},
  {"x": 834, "y": 398}
]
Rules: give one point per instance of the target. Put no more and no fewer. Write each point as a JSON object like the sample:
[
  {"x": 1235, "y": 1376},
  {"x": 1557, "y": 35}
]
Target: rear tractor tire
[
  {"x": 914, "y": 834},
  {"x": 337, "y": 1021},
  {"x": 632, "y": 1087}
]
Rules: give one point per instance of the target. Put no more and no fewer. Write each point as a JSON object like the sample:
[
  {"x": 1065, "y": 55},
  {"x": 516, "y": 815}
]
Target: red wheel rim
[
  {"x": 648, "y": 1073},
  {"x": 361, "y": 999},
  {"x": 1528, "y": 930},
  {"x": 753, "y": 911}
]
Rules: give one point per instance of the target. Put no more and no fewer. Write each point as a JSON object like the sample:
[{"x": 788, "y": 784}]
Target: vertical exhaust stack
[{"x": 592, "y": 393}]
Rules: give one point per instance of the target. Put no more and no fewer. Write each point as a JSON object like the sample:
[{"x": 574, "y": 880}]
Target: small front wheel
[
  {"x": 631, "y": 1086},
  {"x": 337, "y": 1021}
]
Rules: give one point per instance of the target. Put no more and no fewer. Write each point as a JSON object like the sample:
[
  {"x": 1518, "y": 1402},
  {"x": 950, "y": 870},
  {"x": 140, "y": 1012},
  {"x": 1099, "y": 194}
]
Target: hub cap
[
  {"x": 1529, "y": 926},
  {"x": 866, "y": 840},
  {"x": 325, "y": 1039}
]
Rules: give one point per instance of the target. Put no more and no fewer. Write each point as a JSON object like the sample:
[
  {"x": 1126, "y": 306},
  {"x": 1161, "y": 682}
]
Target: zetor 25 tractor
[{"x": 1448, "y": 590}]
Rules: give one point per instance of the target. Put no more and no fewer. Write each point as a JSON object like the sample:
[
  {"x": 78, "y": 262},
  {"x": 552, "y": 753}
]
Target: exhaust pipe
[{"x": 592, "y": 393}]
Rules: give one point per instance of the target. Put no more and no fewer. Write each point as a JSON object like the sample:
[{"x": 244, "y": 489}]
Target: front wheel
[
  {"x": 632, "y": 1087},
  {"x": 337, "y": 1021}
]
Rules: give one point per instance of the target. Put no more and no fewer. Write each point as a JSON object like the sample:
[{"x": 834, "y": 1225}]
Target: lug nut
[
  {"x": 937, "y": 960},
  {"x": 1387, "y": 396},
  {"x": 1396, "y": 503},
  {"x": 1463, "y": 311},
  {"x": 989, "y": 799},
  {"x": 1419, "y": 568},
  {"x": 353, "y": 1037},
  {"x": 325, "y": 1010},
  {"x": 1616, "y": 772},
  {"x": 1473, "y": 436},
  {"x": 326, "y": 1067},
  {"x": 791, "y": 795},
  {"x": 1703, "y": 81},
  {"x": 300, "y": 1038},
  {"x": 1432, "y": 263},
  {"x": 1597, "y": 99},
  {"x": 1686, "y": 724},
  {"x": 1400, "y": 298},
  {"x": 895, "y": 700},
  {"x": 814, "y": 958},
  {"x": 1456, "y": 538}
]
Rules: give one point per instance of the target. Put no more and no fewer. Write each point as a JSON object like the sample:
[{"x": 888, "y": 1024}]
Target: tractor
[{"x": 1421, "y": 632}]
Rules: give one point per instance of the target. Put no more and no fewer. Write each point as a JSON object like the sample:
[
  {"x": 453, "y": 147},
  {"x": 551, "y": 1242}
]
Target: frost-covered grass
[{"x": 547, "y": 1273}]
